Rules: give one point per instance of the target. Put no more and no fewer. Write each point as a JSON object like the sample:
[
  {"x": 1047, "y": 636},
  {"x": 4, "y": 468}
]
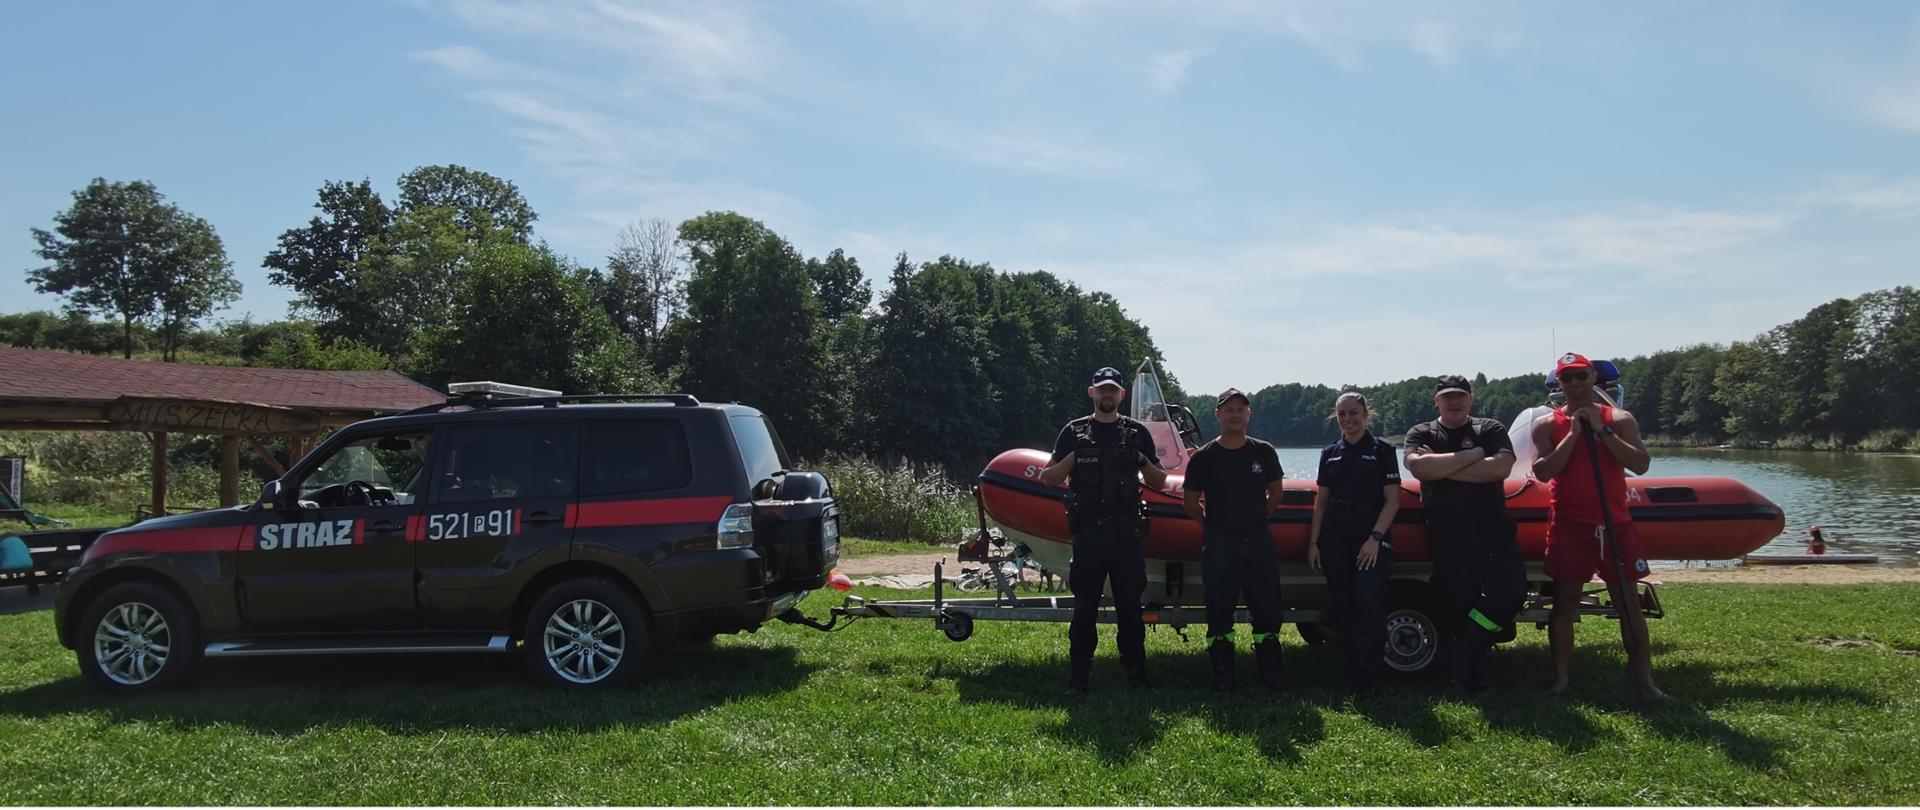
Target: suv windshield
[{"x": 760, "y": 450}]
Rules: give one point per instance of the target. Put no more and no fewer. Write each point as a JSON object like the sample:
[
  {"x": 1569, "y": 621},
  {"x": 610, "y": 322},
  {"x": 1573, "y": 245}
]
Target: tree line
[
  {"x": 951, "y": 362},
  {"x": 1841, "y": 376},
  {"x": 948, "y": 363}
]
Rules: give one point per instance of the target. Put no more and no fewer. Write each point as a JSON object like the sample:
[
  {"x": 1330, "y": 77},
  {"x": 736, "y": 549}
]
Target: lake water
[{"x": 1864, "y": 503}]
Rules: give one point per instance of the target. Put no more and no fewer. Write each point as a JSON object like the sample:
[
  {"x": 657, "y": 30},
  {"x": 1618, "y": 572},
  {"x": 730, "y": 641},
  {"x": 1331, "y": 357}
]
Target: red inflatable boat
[{"x": 1692, "y": 518}]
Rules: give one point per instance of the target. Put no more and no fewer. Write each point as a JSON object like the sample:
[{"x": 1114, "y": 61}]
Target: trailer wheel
[
  {"x": 1413, "y": 637},
  {"x": 1313, "y": 633},
  {"x": 958, "y": 626}
]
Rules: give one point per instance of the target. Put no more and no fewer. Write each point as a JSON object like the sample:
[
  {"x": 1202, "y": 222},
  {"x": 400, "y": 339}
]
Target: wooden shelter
[{"x": 51, "y": 390}]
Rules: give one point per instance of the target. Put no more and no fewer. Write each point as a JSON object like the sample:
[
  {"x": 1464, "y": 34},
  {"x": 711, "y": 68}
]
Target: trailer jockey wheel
[{"x": 958, "y": 626}]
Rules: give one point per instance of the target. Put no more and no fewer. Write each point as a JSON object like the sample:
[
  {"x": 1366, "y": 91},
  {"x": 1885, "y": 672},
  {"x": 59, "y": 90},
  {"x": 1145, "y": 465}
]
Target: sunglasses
[{"x": 1574, "y": 376}]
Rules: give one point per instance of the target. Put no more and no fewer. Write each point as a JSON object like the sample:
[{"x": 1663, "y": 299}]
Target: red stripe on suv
[{"x": 649, "y": 512}]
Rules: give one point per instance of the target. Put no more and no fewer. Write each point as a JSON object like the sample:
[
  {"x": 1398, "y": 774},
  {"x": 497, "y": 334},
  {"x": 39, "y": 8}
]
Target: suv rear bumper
[{"x": 748, "y": 613}]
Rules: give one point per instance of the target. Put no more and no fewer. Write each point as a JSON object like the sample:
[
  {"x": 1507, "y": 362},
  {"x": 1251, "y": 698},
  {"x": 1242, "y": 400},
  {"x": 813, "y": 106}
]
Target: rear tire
[
  {"x": 137, "y": 638},
  {"x": 587, "y": 634},
  {"x": 1414, "y": 644}
]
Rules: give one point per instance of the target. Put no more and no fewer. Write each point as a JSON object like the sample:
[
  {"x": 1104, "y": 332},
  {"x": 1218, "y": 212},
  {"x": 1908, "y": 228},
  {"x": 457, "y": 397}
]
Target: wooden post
[
  {"x": 229, "y": 470},
  {"x": 159, "y": 473}
]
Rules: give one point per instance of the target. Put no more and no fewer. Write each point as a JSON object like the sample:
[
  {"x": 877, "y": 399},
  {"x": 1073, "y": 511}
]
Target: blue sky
[{"x": 1319, "y": 192}]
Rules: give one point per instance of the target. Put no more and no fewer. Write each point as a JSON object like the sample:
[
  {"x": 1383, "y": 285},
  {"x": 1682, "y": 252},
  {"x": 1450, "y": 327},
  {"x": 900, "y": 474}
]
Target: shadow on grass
[
  {"x": 1118, "y": 723},
  {"x": 1598, "y": 682},
  {"x": 404, "y": 694}
]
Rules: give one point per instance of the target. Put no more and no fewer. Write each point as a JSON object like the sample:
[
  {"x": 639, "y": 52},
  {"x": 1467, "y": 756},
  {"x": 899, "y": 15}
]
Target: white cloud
[
  {"x": 1169, "y": 70},
  {"x": 1887, "y": 196},
  {"x": 1890, "y": 94},
  {"x": 1042, "y": 153},
  {"x": 1434, "y": 40},
  {"x": 709, "y": 52}
]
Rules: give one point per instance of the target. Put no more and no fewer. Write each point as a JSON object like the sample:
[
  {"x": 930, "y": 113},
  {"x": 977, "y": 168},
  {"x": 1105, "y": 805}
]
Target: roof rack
[{"x": 483, "y": 403}]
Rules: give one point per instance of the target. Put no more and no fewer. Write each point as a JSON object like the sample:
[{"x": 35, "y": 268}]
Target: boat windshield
[{"x": 1175, "y": 433}]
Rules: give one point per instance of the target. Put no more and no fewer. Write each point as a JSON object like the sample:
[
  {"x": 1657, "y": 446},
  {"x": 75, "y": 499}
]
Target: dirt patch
[
  {"x": 1791, "y": 574},
  {"x": 1832, "y": 643},
  {"x": 899, "y": 564}
]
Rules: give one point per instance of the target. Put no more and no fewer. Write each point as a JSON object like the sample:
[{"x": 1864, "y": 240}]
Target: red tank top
[{"x": 1574, "y": 496}]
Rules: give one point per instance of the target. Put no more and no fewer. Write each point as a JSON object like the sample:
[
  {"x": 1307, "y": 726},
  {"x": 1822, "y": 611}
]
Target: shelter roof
[{"x": 36, "y": 374}]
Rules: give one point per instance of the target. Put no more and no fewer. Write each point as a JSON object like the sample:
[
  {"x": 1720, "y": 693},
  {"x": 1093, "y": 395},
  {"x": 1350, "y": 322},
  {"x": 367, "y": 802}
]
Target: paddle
[{"x": 1620, "y": 589}]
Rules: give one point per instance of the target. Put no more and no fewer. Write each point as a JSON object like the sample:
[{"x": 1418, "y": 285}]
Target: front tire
[
  {"x": 137, "y": 638},
  {"x": 586, "y": 634}
]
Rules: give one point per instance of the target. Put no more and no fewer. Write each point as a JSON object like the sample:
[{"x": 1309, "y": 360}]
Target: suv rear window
[
  {"x": 640, "y": 455},
  {"x": 760, "y": 450}
]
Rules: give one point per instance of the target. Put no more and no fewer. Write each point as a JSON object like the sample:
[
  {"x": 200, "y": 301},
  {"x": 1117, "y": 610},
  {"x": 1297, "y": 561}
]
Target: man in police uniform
[
  {"x": 1478, "y": 572},
  {"x": 1103, "y": 457},
  {"x": 1232, "y": 486}
]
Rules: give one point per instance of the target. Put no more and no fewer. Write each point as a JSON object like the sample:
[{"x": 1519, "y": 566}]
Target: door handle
[
  {"x": 383, "y": 526},
  {"x": 542, "y": 516}
]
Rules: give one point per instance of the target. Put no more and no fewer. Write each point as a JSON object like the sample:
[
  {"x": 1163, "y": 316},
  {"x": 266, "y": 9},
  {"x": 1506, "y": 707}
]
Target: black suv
[{"x": 586, "y": 531}]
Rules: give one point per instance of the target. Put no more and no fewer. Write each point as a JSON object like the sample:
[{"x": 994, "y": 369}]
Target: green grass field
[{"x": 1785, "y": 695}]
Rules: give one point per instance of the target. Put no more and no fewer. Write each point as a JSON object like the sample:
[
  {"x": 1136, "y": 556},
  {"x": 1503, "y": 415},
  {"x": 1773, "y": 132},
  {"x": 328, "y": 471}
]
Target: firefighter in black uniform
[
  {"x": 1104, "y": 457},
  {"x": 1478, "y": 573},
  {"x": 1353, "y": 545},
  {"x": 1238, "y": 477}
]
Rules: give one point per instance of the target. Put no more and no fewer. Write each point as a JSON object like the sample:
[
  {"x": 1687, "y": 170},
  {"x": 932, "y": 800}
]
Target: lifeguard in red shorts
[{"x": 1576, "y": 544}]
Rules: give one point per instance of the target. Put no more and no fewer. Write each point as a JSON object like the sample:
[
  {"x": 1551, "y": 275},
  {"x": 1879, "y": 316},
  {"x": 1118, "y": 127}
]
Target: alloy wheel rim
[
  {"x": 584, "y": 641},
  {"x": 131, "y": 644}
]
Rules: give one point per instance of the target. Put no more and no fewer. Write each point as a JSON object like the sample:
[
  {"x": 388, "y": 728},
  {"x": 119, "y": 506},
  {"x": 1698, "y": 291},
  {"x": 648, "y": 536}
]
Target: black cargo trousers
[
  {"x": 1103, "y": 551},
  {"x": 1479, "y": 576},
  {"x": 1357, "y": 598},
  {"x": 1237, "y": 563}
]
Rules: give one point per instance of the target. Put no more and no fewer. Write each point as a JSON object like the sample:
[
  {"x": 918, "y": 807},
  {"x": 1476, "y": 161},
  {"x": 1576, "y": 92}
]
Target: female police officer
[{"x": 1359, "y": 495}]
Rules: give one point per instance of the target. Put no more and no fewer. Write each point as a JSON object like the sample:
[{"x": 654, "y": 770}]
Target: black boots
[
  {"x": 1077, "y": 677},
  {"x": 1137, "y": 674},
  {"x": 1266, "y": 653},
  {"x": 1220, "y": 654},
  {"x": 1471, "y": 668}
]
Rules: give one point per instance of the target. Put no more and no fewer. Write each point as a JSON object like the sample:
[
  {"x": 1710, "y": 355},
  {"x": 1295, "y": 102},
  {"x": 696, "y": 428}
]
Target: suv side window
[
  {"x": 634, "y": 455},
  {"x": 491, "y": 462}
]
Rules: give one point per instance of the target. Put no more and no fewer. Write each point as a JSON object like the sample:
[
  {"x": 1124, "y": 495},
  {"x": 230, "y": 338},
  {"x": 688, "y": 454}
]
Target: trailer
[{"x": 1413, "y": 639}]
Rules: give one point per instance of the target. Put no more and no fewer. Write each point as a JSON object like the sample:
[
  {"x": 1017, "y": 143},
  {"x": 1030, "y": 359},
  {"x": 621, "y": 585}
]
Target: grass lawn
[{"x": 892, "y": 713}]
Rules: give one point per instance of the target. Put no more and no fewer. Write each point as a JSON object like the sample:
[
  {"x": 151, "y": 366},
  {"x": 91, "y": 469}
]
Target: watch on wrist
[{"x": 1378, "y": 536}]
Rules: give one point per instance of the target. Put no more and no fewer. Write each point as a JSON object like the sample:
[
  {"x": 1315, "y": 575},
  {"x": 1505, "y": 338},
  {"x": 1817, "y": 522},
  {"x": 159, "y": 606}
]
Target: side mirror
[
  {"x": 270, "y": 493},
  {"x": 765, "y": 490}
]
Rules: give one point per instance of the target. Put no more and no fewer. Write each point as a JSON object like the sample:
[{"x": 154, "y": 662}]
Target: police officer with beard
[{"x": 1103, "y": 457}]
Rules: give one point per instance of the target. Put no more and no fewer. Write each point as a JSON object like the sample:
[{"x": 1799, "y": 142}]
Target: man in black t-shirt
[
  {"x": 1103, "y": 458},
  {"x": 1478, "y": 573},
  {"x": 1232, "y": 486}
]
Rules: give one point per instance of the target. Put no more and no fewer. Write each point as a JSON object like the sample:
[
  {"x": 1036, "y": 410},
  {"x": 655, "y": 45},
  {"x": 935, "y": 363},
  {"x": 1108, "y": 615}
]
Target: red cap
[{"x": 1570, "y": 360}]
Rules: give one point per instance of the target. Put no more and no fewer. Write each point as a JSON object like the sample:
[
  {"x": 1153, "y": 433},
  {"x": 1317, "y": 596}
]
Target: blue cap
[{"x": 1108, "y": 376}]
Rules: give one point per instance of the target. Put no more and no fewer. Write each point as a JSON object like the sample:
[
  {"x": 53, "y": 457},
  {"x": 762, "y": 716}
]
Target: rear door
[
  {"x": 643, "y": 497},
  {"x": 501, "y": 494}
]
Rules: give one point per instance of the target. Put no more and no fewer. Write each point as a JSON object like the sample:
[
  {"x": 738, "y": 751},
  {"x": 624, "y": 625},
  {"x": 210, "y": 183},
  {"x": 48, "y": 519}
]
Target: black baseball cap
[
  {"x": 1107, "y": 376},
  {"x": 1450, "y": 383},
  {"x": 1232, "y": 393}
]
